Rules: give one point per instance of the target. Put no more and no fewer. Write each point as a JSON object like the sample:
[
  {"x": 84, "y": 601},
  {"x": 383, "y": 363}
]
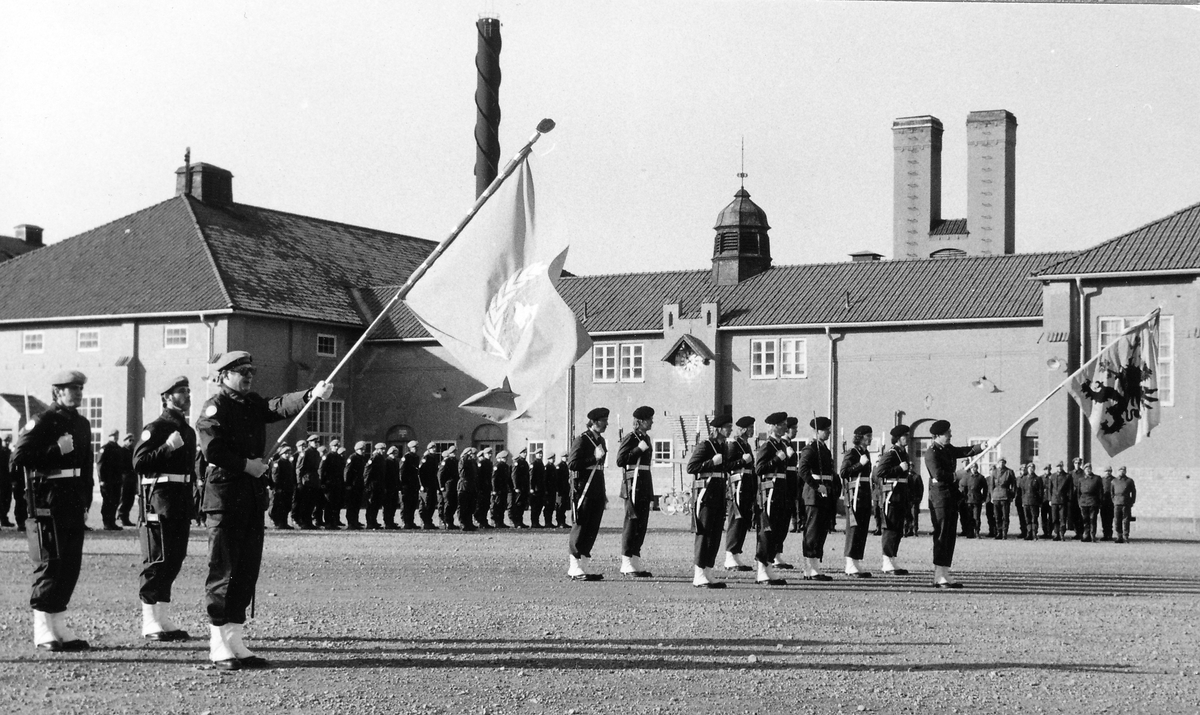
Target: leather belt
[
  {"x": 771, "y": 477},
  {"x": 631, "y": 470},
  {"x": 58, "y": 474},
  {"x": 164, "y": 477},
  {"x": 864, "y": 480},
  {"x": 823, "y": 477}
]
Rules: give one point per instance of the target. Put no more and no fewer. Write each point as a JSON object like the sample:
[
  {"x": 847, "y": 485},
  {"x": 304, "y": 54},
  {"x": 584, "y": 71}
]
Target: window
[
  {"x": 327, "y": 345},
  {"x": 325, "y": 420},
  {"x": 604, "y": 363},
  {"x": 88, "y": 340},
  {"x": 535, "y": 447},
  {"x": 92, "y": 408},
  {"x": 663, "y": 451},
  {"x": 1110, "y": 328},
  {"x": 631, "y": 363},
  {"x": 176, "y": 336},
  {"x": 762, "y": 359},
  {"x": 990, "y": 457},
  {"x": 1030, "y": 446},
  {"x": 443, "y": 445},
  {"x": 33, "y": 342},
  {"x": 793, "y": 357}
]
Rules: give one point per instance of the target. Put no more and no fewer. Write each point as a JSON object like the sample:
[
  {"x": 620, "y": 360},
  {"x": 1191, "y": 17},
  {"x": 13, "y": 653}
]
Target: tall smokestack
[{"x": 487, "y": 103}]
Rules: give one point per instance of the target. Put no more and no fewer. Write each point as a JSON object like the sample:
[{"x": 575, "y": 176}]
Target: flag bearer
[{"x": 944, "y": 498}]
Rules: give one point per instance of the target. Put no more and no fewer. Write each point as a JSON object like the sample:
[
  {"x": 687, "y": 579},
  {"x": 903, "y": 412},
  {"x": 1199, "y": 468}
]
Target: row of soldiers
[
  {"x": 474, "y": 489},
  {"x": 1055, "y": 500}
]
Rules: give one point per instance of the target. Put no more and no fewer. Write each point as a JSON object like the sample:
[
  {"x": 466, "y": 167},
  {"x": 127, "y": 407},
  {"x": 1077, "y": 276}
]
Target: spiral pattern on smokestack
[{"x": 487, "y": 103}]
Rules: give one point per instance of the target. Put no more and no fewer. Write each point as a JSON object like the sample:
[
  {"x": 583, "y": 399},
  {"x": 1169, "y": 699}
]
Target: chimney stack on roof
[
  {"x": 30, "y": 234},
  {"x": 916, "y": 184},
  {"x": 991, "y": 181},
  {"x": 487, "y": 103},
  {"x": 210, "y": 184}
]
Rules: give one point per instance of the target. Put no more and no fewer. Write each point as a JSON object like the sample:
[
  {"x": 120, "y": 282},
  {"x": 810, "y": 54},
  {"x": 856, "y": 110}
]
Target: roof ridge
[
  {"x": 208, "y": 252},
  {"x": 1118, "y": 237},
  {"x": 336, "y": 223}
]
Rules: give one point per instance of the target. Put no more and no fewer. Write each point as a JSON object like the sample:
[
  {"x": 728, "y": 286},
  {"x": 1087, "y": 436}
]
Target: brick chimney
[
  {"x": 210, "y": 184},
  {"x": 991, "y": 180},
  {"x": 916, "y": 184},
  {"x": 30, "y": 234}
]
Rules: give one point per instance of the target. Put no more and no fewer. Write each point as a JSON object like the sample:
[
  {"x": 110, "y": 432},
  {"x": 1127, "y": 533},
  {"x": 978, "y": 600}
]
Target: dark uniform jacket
[
  {"x": 501, "y": 478},
  {"x": 891, "y": 476},
  {"x": 939, "y": 462},
  {"x": 1061, "y": 488},
  {"x": 354, "y": 473},
  {"x": 975, "y": 487},
  {"x": 331, "y": 471},
  {"x": 1091, "y": 490},
  {"x": 630, "y": 458},
  {"x": 448, "y": 472},
  {"x": 391, "y": 479},
  {"x": 112, "y": 463},
  {"x": 1033, "y": 490},
  {"x": 467, "y": 473},
  {"x": 308, "y": 467},
  {"x": 1002, "y": 485},
  {"x": 563, "y": 485},
  {"x": 152, "y": 457},
  {"x": 232, "y": 430},
  {"x": 409, "y": 475},
  {"x": 852, "y": 469},
  {"x": 816, "y": 461},
  {"x": 521, "y": 476},
  {"x": 537, "y": 477},
  {"x": 282, "y": 474},
  {"x": 427, "y": 470},
  {"x": 1123, "y": 491},
  {"x": 484, "y": 474},
  {"x": 36, "y": 449},
  {"x": 701, "y": 464},
  {"x": 375, "y": 476},
  {"x": 583, "y": 463}
]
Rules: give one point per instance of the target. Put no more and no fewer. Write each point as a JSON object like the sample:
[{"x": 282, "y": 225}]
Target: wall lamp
[{"x": 985, "y": 384}]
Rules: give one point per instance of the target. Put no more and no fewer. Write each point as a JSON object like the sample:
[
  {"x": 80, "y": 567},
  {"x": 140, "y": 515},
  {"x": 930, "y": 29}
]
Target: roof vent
[
  {"x": 30, "y": 234},
  {"x": 210, "y": 184},
  {"x": 865, "y": 256}
]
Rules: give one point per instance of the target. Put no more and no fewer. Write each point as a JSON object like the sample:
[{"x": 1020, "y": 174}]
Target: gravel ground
[{"x": 431, "y": 622}]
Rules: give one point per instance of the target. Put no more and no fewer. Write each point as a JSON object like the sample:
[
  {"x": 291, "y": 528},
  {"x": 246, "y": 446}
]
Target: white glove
[
  {"x": 747, "y": 458},
  {"x": 643, "y": 447},
  {"x": 864, "y": 460},
  {"x": 823, "y": 490},
  {"x": 600, "y": 453},
  {"x": 174, "y": 442},
  {"x": 322, "y": 390},
  {"x": 255, "y": 467},
  {"x": 66, "y": 444},
  {"x": 717, "y": 460},
  {"x": 791, "y": 452},
  {"x": 904, "y": 466}
]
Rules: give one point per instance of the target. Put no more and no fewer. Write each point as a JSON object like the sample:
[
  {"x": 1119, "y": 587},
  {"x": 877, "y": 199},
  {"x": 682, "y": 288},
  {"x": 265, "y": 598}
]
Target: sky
[{"x": 363, "y": 113}]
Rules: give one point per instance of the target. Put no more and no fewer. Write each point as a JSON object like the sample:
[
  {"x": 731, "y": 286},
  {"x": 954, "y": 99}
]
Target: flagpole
[
  {"x": 1072, "y": 376},
  {"x": 543, "y": 127}
]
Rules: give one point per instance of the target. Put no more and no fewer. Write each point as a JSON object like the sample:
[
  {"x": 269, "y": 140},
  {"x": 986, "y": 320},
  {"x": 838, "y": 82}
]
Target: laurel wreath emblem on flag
[{"x": 499, "y": 330}]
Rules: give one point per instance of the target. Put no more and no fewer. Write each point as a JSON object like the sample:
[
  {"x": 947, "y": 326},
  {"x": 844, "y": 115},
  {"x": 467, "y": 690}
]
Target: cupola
[{"x": 741, "y": 248}]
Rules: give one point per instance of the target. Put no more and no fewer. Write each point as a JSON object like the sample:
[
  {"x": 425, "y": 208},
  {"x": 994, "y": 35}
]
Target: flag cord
[
  {"x": 543, "y": 127},
  {"x": 977, "y": 458}
]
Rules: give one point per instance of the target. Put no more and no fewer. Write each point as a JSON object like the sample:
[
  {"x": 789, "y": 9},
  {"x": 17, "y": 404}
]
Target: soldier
[
  {"x": 483, "y": 488},
  {"x": 793, "y": 489},
  {"x": 333, "y": 484},
  {"x": 1091, "y": 490},
  {"x": 374, "y": 483},
  {"x": 1062, "y": 493},
  {"x": 708, "y": 468},
  {"x": 468, "y": 468},
  {"x": 391, "y": 488},
  {"x": 448, "y": 488},
  {"x": 129, "y": 481},
  {"x": 54, "y": 454},
  {"x": 520, "y": 491},
  {"x": 1124, "y": 495},
  {"x": 501, "y": 486},
  {"x": 1018, "y": 503},
  {"x": 1032, "y": 493},
  {"x": 944, "y": 498},
  {"x": 410, "y": 485},
  {"x": 537, "y": 489},
  {"x": 1047, "y": 513},
  {"x": 562, "y": 501},
  {"x": 549, "y": 489},
  {"x": 308, "y": 482},
  {"x": 1074, "y": 512},
  {"x": 637, "y": 490},
  {"x": 816, "y": 472},
  {"x": 892, "y": 474},
  {"x": 974, "y": 495},
  {"x": 855, "y": 473},
  {"x": 354, "y": 474},
  {"x": 916, "y": 492},
  {"x": 770, "y": 471},
  {"x": 427, "y": 472},
  {"x": 1106, "y": 504},
  {"x": 877, "y": 503},
  {"x": 164, "y": 459},
  {"x": 743, "y": 490},
  {"x": 588, "y": 498},
  {"x": 282, "y": 480},
  {"x": 232, "y": 432},
  {"x": 1002, "y": 489},
  {"x": 6, "y": 485},
  {"x": 111, "y": 468}
]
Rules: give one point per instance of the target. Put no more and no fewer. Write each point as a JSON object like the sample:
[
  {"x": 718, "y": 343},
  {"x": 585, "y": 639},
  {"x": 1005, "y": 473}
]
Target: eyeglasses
[{"x": 245, "y": 371}]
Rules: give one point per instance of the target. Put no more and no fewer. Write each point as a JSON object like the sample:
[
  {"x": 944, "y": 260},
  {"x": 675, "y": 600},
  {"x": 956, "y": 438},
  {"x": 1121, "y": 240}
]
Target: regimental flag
[
  {"x": 491, "y": 300},
  {"x": 1118, "y": 391}
]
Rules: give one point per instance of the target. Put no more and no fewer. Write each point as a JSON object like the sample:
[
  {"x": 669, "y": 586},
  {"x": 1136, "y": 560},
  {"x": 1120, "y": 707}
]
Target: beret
[
  {"x": 447, "y": 450},
  {"x": 300, "y": 443},
  {"x": 776, "y": 418},
  {"x": 115, "y": 433},
  {"x": 230, "y": 360},
  {"x": 285, "y": 447},
  {"x": 128, "y": 436},
  {"x": 393, "y": 449},
  {"x": 793, "y": 421},
  {"x": 431, "y": 446},
  {"x": 746, "y": 421},
  {"x": 820, "y": 423},
  {"x": 362, "y": 444},
  {"x": 314, "y": 438},
  {"x": 552, "y": 456},
  {"x": 169, "y": 386},
  {"x": 380, "y": 445},
  {"x": 860, "y": 430},
  {"x": 68, "y": 377},
  {"x": 412, "y": 443},
  {"x": 722, "y": 421},
  {"x": 940, "y": 427},
  {"x": 899, "y": 431},
  {"x": 600, "y": 413},
  {"x": 502, "y": 455},
  {"x": 643, "y": 413}
]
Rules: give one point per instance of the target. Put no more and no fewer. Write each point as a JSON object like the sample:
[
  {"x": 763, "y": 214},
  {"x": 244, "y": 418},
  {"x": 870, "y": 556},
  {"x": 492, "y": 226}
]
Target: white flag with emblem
[{"x": 491, "y": 300}]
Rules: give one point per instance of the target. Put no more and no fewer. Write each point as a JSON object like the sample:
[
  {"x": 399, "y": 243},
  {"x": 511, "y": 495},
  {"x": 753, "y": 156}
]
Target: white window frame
[
  {"x": 1108, "y": 327},
  {"x": 327, "y": 420},
  {"x": 441, "y": 445},
  {"x": 764, "y": 358},
  {"x": 990, "y": 458},
  {"x": 604, "y": 362},
  {"x": 93, "y": 332},
  {"x": 28, "y": 337},
  {"x": 534, "y": 447},
  {"x": 669, "y": 452},
  {"x": 167, "y": 337},
  {"x": 635, "y": 370},
  {"x": 797, "y": 366},
  {"x": 92, "y": 408},
  {"x": 321, "y": 336}
]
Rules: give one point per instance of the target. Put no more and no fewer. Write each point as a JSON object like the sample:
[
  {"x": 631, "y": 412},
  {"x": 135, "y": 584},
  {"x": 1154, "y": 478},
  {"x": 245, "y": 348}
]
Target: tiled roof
[
  {"x": 950, "y": 227},
  {"x": 12, "y": 247},
  {"x": 966, "y": 289},
  {"x": 1168, "y": 244}
]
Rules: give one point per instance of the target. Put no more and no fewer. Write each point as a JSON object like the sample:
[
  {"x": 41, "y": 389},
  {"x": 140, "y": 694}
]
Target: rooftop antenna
[
  {"x": 187, "y": 171},
  {"x": 742, "y": 174}
]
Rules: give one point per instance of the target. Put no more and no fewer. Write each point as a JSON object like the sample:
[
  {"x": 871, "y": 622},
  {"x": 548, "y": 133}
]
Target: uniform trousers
[
  {"x": 483, "y": 502},
  {"x": 989, "y": 509},
  {"x": 235, "y": 546},
  {"x": 1047, "y": 518},
  {"x": 332, "y": 504},
  {"x": 589, "y": 512},
  {"x": 54, "y": 579},
  {"x": 893, "y": 527},
  {"x": 858, "y": 523},
  {"x": 816, "y": 527},
  {"x": 912, "y": 524},
  {"x": 1031, "y": 512},
  {"x": 466, "y": 506},
  {"x": 562, "y": 503},
  {"x": 1002, "y": 510},
  {"x": 5, "y": 496},
  {"x": 537, "y": 502},
  {"x": 773, "y": 518},
  {"x": 1076, "y": 518},
  {"x": 499, "y": 505},
  {"x": 18, "y": 495},
  {"x": 741, "y": 511},
  {"x": 354, "y": 499},
  {"x": 281, "y": 503},
  {"x": 429, "y": 499},
  {"x": 410, "y": 501},
  {"x": 157, "y": 578},
  {"x": 975, "y": 512},
  {"x": 708, "y": 522},
  {"x": 1106, "y": 518},
  {"x": 1061, "y": 514},
  {"x": 1121, "y": 517},
  {"x": 447, "y": 502},
  {"x": 1088, "y": 515},
  {"x": 1022, "y": 519},
  {"x": 517, "y": 505},
  {"x": 304, "y": 503},
  {"x": 110, "y": 501},
  {"x": 129, "y": 489},
  {"x": 944, "y": 522},
  {"x": 391, "y": 502}
]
